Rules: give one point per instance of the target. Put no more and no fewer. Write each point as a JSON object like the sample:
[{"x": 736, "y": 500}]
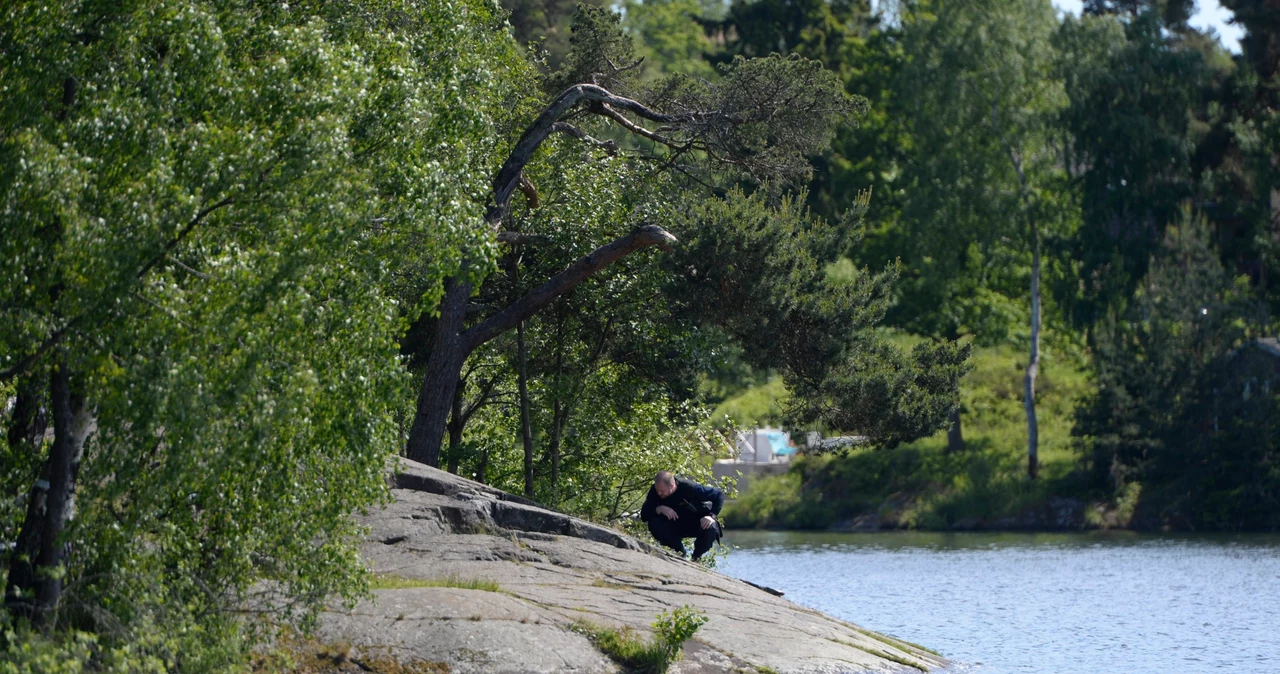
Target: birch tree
[{"x": 981, "y": 77}]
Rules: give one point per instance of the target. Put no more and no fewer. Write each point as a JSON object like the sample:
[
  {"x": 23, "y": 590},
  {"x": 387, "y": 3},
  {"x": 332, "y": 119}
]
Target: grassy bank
[{"x": 922, "y": 485}]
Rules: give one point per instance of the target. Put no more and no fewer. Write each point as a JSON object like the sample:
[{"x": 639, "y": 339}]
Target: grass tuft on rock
[
  {"x": 637, "y": 655},
  {"x": 632, "y": 652},
  {"x": 390, "y": 582}
]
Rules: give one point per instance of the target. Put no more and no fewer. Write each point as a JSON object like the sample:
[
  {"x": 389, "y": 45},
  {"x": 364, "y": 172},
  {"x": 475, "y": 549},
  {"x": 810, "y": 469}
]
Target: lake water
[{"x": 1098, "y": 603}]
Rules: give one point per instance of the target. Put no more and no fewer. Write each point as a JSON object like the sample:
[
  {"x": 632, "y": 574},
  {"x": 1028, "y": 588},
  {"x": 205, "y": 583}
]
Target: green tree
[
  {"x": 977, "y": 81},
  {"x": 756, "y": 123},
  {"x": 1169, "y": 411},
  {"x": 545, "y": 25},
  {"x": 671, "y": 37},
  {"x": 1132, "y": 128},
  {"x": 208, "y": 210}
]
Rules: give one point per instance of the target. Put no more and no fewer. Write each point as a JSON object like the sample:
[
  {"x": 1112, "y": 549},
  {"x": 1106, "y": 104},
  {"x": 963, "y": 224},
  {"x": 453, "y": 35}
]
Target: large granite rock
[{"x": 554, "y": 570}]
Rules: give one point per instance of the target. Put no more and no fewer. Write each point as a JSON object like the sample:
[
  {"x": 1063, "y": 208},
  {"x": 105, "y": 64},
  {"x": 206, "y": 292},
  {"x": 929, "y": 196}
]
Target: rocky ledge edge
[{"x": 514, "y": 579}]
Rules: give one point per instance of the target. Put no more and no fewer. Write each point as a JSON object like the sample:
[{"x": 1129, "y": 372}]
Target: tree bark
[
  {"x": 1033, "y": 363},
  {"x": 35, "y": 585},
  {"x": 435, "y": 398},
  {"x": 482, "y": 470},
  {"x": 29, "y": 420},
  {"x": 449, "y": 346},
  {"x": 27, "y": 427},
  {"x": 526, "y": 427}
]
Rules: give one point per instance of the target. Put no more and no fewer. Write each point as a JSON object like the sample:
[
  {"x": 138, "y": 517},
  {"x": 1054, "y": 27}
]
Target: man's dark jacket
[{"x": 689, "y": 500}]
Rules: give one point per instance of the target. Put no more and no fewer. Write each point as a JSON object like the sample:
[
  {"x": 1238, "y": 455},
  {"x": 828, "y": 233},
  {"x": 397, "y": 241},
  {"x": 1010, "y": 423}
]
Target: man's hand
[
  {"x": 667, "y": 513},
  {"x": 708, "y": 521}
]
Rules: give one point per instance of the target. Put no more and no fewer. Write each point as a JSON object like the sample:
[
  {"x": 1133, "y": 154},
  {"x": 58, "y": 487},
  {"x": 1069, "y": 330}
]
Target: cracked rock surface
[{"x": 553, "y": 570}]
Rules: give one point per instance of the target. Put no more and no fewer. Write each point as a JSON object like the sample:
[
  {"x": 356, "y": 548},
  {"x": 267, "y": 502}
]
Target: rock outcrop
[{"x": 542, "y": 572}]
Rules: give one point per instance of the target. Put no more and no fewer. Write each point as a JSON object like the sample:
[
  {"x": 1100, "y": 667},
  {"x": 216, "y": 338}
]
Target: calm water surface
[{"x": 1040, "y": 603}]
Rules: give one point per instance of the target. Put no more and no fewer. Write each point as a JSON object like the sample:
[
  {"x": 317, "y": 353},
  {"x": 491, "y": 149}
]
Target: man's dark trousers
[{"x": 671, "y": 532}]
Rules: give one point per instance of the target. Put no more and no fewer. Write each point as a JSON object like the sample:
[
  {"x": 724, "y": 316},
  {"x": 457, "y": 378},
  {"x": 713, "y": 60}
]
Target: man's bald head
[{"x": 664, "y": 483}]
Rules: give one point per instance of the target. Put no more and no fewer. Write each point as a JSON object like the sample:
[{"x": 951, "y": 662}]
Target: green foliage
[
  {"x": 976, "y": 87},
  {"x": 921, "y": 484},
  {"x": 759, "y": 273},
  {"x": 777, "y": 502},
  {"x": 670, "y": 37},
  {"x": 676, "y": 626},
  {"x": 24, "y": 650},
  {"x": 28, "y": 651},
  {"x": 647, "y": 656},
  {"x": 599, "y": 53},
  {"x": 817, "y": 30},
  {"x": 877, "y": 393},
  {"x": 210, "y": 227},
  {"x": 1137, "y": 163},
  {"x": 544, "y": 26},
  {"x": 610, "y": 380},
  {"x": 1183, "y": 404},
  {"x": 753, "y": 406}
]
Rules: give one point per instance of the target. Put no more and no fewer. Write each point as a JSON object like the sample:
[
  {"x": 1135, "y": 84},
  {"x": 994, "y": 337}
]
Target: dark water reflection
[{"x": 1043, "y": 603}]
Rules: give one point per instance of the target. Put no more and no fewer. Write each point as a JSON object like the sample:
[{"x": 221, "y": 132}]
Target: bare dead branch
[
  {"x": 530, "y": 192},
  {"x": 189, "y": 270},
  {"x": 571, "y": 130},
  {"x": 624, "y": 69},
  {"x": 631, "y": 126},
  {"x": 508, "y": 176}
]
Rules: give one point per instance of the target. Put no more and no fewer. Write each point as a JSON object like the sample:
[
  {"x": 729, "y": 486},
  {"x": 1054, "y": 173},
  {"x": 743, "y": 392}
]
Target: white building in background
[{"x": 764, "y": 445}]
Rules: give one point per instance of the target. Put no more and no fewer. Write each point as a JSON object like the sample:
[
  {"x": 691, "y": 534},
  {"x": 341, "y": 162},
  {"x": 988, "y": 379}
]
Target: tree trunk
[
  {"x": 955, "y": 439},
  {"x": 558, "y": 411},
  {"x": 557, "y": 432},
  {"x": 30, "y": 418},
  {"x": 444, "y": 365},
  {"x": 526, "y": 426},
  {"x": 35, "y": 585},
  {"x": 482, "y": 469},
  {"x": 456, "y": 422},
  {"x": 27, "y": 427},
  {"x": 1033, "y": 364}
]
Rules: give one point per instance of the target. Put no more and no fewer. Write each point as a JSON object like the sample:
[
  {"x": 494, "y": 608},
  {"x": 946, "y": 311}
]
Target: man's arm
[
  {"x": 649, "y": 509},
  {"x": 705, "y": 494}
]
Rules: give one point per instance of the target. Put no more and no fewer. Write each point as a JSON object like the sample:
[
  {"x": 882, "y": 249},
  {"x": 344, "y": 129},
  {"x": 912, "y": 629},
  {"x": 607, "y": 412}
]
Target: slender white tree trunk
[{"x": 1033, "y": 363}]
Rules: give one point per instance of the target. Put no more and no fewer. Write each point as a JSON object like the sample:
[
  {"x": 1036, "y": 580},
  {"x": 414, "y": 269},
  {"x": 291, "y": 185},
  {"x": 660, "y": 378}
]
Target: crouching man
[{"x": 676, "y": 509}]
